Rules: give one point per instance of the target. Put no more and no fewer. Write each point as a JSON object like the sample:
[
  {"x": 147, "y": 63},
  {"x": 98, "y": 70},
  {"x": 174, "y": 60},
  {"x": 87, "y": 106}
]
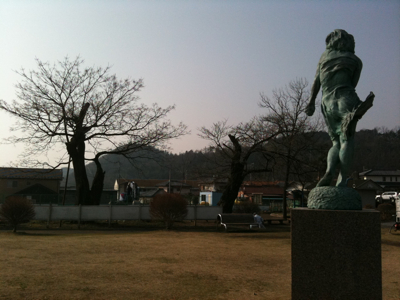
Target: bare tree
[
  {"x": 296, "y": 144},
  {"x": 90, "y": 112},
  {"x": 17, "y": 210},
  {"x": 233, "y": 146}
]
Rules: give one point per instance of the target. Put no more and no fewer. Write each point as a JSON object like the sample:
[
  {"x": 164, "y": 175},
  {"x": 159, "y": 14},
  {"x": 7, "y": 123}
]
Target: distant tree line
[{"x": 375, "y": 149}]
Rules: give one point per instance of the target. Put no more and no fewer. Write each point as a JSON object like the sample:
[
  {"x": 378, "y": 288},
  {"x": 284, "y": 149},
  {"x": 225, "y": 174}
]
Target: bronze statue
[{"x": 337, "y": 74}]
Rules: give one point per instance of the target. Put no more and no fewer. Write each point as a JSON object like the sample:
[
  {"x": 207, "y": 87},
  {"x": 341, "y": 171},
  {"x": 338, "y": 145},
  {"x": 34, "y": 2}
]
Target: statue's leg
[
  {"x": 332, "y": 162},
  {"x": 346, "y": 158}
]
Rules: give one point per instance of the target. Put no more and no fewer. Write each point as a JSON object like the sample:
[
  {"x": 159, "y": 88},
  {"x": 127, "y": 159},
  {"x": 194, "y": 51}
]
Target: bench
[
  {"x": 277, "y": 220},
  {"x": 236, "y": 220}
]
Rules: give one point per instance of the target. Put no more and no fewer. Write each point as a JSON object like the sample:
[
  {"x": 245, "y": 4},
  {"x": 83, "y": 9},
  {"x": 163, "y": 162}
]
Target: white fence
[{"x": 115, "y": 212}]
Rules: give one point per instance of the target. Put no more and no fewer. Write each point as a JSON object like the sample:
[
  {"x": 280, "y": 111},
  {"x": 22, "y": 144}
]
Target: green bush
[
  {"x": 169, "y": 208},
  {"x": 246, "y": 207},
  {"x": 387, "y": 211},
  {"x": 17, "y": 210}
]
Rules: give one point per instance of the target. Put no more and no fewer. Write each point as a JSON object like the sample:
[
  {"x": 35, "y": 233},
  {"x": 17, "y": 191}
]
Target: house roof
[
  {"x": 366, "y": 185},
  {"x": 25, "y": 173},
  {"x": 389, "y": 185},
  {"x": 265, "y": 190},
  {"x": 158, "y": 182},
  {"x": 151, "y": 193},
  {"x": 35, "y": 190},
  {"x": 294, "y": 185},
  {"x": 213, "y": 180},
  {"x": 380, "y": 173},
  {"x": 262, "y": 183},
  {"x": 174, "y": 183}
]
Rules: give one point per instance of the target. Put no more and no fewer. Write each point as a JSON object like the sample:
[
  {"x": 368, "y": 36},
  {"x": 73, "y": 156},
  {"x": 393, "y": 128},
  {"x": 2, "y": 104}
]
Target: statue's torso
[{"x": 337, "y": 72}]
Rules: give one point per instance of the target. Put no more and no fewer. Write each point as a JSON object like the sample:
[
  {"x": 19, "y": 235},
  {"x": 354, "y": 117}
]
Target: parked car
[{"x": 387, "y": 197}]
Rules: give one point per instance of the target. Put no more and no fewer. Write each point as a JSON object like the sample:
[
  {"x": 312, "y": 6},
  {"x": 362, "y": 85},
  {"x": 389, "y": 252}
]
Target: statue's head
[{"x": 340, "y": 40}]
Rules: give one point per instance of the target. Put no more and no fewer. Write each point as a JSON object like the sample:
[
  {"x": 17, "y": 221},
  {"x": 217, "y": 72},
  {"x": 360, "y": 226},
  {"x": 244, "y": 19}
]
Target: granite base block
[{"x": 336, "y": 254}]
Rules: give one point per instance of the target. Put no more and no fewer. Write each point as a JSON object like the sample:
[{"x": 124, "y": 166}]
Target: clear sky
[{"x": 210, "y": 58}]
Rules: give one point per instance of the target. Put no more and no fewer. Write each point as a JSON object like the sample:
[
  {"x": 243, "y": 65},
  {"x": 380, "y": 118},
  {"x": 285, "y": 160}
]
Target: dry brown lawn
[{"x": 143, "y": 263}]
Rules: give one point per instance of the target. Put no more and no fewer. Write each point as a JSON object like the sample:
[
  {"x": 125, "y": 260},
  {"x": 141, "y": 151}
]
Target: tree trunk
[
  {"x": 81, "y": 180},
  {"x": 76, "y": 150},
  {"x": 235, "y": 180},
  {"x": 97, "y": 184},
  {"x": 285, "y": 185},
  {"x": 232, "y": 189}
]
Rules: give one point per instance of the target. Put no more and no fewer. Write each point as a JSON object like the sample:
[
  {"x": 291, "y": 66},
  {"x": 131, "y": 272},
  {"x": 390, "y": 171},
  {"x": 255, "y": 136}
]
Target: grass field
[{"x": 151, "y": 263}]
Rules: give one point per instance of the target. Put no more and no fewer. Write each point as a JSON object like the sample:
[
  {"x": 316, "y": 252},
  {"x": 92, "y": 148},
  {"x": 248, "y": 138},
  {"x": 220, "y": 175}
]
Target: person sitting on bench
[{"x": 259, "y": 220}]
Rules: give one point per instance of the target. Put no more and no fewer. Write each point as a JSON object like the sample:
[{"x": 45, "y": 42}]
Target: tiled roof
[
  {"x": 25, "y": 173},
  {"x": 151, "y": 193},
  {"x": 173, "y": 183},
  {"x": 265, "y": 190},
  {"x": 213, "y": 180},
  {"x": 158, "y": 182},
  {"x": 35, "y": 190},
  {"x": 380, "y": 173},
  {"x": 261, "y": 183},
  {"x": 366, "y": 185}
]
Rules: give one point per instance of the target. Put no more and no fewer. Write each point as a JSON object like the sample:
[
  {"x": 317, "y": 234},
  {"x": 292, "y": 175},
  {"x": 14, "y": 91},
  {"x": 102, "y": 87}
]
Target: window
[
  {"x": 257, "y": 198},
  {"x": 12, "y": 183},
  {"x": 203, "y": 198}
]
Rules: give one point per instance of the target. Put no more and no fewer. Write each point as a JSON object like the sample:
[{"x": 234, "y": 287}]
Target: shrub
[
  {"x": 246, "y": 207},
  {"x": 192, "y": 199},
  {"x": 17, "y": 210},
  {"x": 204, "y": 203},
  {"x": 169, "y": 208},
  {"x": 387, "y": 211}
]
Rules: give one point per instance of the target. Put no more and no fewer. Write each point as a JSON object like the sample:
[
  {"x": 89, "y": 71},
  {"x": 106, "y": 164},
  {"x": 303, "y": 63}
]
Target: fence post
[
  {"x": 109, "y": 219},
  {"x": 195, "y": 215},
  {"x": 49, "y": 217},
  {"x": 140, "y": 211},
  {"x": 79, "y": 216}
]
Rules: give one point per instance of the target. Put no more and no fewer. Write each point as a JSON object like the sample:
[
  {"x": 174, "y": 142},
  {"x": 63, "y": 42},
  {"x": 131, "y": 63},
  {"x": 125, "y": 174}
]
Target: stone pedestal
[{"x": 336, "y": 254}]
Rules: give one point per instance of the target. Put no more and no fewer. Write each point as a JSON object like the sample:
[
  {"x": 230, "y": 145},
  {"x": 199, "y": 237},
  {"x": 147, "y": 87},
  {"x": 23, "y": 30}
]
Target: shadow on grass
[
  {"x": 39, "y": 228},
  {"x": 24, "y": 233},
  {"x": 391, "y": 243},
  {"x": 261, "y": 234}
]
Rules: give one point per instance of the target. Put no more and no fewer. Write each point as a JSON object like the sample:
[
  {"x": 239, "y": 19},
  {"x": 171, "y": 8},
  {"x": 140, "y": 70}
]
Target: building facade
[{"x": 33, "y": 184}]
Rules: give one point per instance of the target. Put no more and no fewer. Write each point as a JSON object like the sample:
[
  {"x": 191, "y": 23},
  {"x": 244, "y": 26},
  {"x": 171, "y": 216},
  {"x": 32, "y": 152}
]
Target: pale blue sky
[{"x": 210, "y": 58}]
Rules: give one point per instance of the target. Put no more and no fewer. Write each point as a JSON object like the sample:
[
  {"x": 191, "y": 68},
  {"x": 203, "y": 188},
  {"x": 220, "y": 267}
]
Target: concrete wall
[{"x": 117, "y": 212}]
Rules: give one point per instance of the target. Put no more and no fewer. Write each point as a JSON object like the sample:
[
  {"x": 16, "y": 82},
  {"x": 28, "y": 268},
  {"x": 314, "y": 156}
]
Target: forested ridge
[{"x": 375, "y": 149}]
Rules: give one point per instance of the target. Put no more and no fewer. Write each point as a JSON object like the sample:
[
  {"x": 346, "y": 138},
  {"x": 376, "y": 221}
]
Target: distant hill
[
  {"x": 151, "y": 164},
  {"x": 375, "y": 149}
]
